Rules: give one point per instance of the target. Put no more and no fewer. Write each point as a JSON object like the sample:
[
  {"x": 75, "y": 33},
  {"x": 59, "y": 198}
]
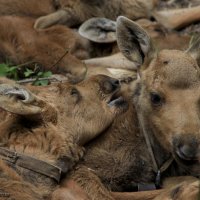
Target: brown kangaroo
[
  {"x": 159, "y": 135},
  {"x": 43, "y": 130}
]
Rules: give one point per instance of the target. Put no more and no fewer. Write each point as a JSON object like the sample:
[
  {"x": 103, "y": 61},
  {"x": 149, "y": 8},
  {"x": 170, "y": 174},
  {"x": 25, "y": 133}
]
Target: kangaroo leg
[{"x": 178, "y": 18}]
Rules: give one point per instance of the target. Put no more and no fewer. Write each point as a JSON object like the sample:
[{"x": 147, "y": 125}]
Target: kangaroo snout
[
  {"x": 110, "y": 85},
  {"x": 187, "y": 149}
]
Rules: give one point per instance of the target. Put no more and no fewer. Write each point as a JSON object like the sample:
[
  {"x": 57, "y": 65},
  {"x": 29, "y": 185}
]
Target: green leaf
[
  {"x": 4, "y": 68},
  {"x": 47, "y": 74},
  {"x": 12, "y": 69},
  {"x": 44, "y": 74},
  {"x": 39, "y": 74},
  {"x": 28, "y": 72},
  {"x": 13, "y": 73},
  {"x": 3, "y": 65},
  {"x": 41, "y": 82}
]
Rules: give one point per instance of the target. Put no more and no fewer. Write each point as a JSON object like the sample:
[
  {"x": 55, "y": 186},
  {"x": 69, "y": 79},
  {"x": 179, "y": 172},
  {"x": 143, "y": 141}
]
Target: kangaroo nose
[
  {"x": 115, "y": 83},
  {"x": 188, "y": 152},
  {"x": 187, "y": 146},
  {"x": 110, "y": 85}
]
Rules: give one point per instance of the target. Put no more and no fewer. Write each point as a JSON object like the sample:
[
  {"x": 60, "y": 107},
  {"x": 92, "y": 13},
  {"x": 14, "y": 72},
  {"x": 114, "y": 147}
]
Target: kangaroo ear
[
  {"x": 133, "y": 41},
  {"x": 100, "y": 30},
  {"x": 18, "y": 100},
  {"x": 194, "y": 48}
]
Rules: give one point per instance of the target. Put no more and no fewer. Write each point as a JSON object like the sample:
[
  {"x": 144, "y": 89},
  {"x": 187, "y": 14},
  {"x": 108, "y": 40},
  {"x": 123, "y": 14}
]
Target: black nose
[
  {"x": 110, "y": 85},
  {"x": 187, "y": 147},
  {"x": 115, "y": 83},
  {"x": 188, "y": 152}
]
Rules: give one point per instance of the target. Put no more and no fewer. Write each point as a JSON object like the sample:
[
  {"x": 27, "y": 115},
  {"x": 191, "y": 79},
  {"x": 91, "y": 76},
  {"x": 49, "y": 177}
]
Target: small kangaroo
[{"x": 43, "y": 130}]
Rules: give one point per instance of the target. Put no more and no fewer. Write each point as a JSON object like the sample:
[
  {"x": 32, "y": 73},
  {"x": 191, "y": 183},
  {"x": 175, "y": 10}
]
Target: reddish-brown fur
[
  {"x": 20, "y": 43},
  {"x": 47, "y": 46},
  {"x": 51, "y": 124},
  {"x": 58, "y": 48},
  {"x": 74, "y": 12}
]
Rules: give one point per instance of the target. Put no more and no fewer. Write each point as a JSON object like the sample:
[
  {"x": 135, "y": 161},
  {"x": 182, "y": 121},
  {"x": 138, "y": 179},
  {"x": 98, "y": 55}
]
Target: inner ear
[
  {"x": 18, "y": 100},
  {"x": 133, "y": 41},
  {"x": 100, "y": 30},
  {"x": 19, "y": 94}
]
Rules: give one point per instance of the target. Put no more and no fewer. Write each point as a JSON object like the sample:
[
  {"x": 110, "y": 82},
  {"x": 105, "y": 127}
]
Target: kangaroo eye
[
  {"x": 156, "y": 99},
  {"x": 74, "y": 92}
]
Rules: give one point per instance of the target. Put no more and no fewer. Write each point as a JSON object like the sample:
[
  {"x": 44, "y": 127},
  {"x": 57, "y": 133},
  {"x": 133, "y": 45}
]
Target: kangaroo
[
  {"x": 159, "y": 135},
  {"x": 43, "y": 131}
]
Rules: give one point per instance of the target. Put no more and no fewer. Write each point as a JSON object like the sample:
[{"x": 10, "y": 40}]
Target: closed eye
[{"x": 75, "y": 94}]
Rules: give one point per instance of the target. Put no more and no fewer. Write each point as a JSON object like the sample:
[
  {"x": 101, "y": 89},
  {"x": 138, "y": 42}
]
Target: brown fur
[
  {"x": 70, "y": 190},
  {"x": 178, "y": 18},
  {"x": 119, "y": 159},
  {"x": 161, "y": 38},
  {"x": 52, "y": 126},
  {"x": 78, "y": 11},
  {"x": 24, "y": 8},
  {"x": 74, "y": 12},
  {"x": 187, "y": 189},
  {"x": 184, "y": 191},
  {"x": 20, "y": 43}
]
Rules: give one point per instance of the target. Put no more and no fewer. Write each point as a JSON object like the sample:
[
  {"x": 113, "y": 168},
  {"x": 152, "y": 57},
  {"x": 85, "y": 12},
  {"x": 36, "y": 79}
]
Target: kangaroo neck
[{"x": 161, "y": 160}]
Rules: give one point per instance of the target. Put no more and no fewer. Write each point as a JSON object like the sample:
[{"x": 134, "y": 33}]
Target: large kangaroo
[{"x": 159, "y": 136}]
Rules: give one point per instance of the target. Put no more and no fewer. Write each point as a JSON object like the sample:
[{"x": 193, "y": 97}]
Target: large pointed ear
[
  {"x": 100, "y": 30},
  {"x": 133, "y": 41},
  {"x": 18, "y": 100},
  {"x": 194, "y": 48}
]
